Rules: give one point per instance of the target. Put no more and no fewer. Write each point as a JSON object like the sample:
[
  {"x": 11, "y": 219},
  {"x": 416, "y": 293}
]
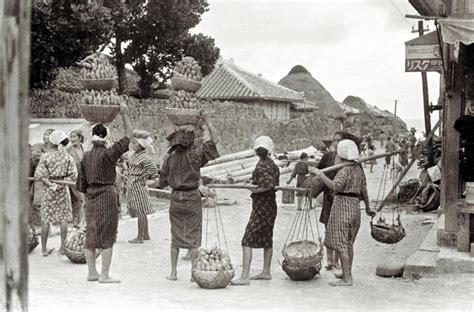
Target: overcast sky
[{"x": 352, "y": 47}]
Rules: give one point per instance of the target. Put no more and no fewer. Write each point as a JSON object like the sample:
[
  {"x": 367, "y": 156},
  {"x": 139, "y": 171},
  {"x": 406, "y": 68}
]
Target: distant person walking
[
  {"x": 300, "y": 172},
  {"x": 390, "y": 147},
  {"x": 76, "y": 150},
  {"x": 382, "y": 138}
]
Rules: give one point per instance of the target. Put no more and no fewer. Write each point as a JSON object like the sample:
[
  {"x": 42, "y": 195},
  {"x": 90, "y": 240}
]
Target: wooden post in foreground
[{"x": 14, "y": 199}]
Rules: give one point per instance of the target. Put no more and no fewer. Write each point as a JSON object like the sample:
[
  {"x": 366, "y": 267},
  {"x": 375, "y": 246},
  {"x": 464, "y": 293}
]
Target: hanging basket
[
  {"x": 301, "y": 273},
  {"x": 99, "y": 113},
  {"x": 387, "y": 234},
  {"x": 302, "y": 253},
  {"x": 98, "y": 84},
  {"x": 181, "y": 116},
  {"x": 213, "y": 279},
  {"x": 433, "y": 200},
  {"x": 185, "y": 84},
  {"x": 32, "y": 239}
]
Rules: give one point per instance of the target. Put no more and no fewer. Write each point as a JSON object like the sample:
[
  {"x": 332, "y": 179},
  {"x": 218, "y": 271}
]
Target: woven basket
[
  {"x": 99, "y": 113},
  {"x": 213, "y": 279},
  {"x": 184, "y": 84},
  {"x": 387, "y": 234},
  {"x": 433, "y": 201},
  {"x": 98, "y": 84},
  {"x": 32, "y": 240},
  {"x": 302, "y": 253},
  {"x": 181, "y": 117},
  {"x": 79, "y": 257},
  {"x": 301, "y": 273}
]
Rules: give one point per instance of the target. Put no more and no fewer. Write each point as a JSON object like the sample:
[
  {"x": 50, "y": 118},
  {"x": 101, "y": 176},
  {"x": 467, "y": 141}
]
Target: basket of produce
[
  {"x": 98, "y": 84},
  {"x": 32, "y": 239},
  {"x": 212, "y": 269},
  {"x": 99, "y": 113},
  {"x": 75, "y": 246},
  {"x": 387, "y": 234},
  {"x": 187, "y": 75},
  {"x": 301, "y": 273},
  {"x": 181, "y": 117},
  {"x": 302, "y": 253},
  {"x": 181, "y": 83}
]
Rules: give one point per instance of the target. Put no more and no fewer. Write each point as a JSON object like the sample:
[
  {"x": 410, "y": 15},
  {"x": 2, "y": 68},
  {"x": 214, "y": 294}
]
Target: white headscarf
[
  {"x": 265, "y": 142},
  {"x": 57, "y": 136},
  {"x": 348, "y": 150},
  {"x": 146, "y": 144},
  {"x": 96, "y": 138}
]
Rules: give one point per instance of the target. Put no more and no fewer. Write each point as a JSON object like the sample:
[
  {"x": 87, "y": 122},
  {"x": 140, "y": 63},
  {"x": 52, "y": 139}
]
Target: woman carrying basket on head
[
  {"x": 259, "y": 230},
  {"x": 181, "y": 171},
  {"x": 349, "y": 187},
  {"x": 141, "y": 169}
]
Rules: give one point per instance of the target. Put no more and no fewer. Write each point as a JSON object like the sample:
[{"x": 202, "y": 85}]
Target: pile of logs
[{"x": 238, "y": 167}]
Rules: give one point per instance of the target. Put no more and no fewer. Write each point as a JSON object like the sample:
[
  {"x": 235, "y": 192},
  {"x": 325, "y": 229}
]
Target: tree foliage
[{"x": 63, "y": 33}]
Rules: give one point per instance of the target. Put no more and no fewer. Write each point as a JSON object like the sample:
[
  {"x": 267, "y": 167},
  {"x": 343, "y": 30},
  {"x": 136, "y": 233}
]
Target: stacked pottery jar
[
  {"x": 183, "y": 108},
  {"x": 100, "y": 101}
]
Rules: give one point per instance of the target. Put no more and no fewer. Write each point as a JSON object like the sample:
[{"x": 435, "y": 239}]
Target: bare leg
[
  {"x": 106, "y": 261},
  {"x": 63, "y": 232},
  {"x": 267, "y": 262},
  {"x": 146, "y": 234},
  {"x": 300, "y": 198},
  {"x": 346, "y": 273},
  {"x": 93, "y": 275},
  {"x": 44, "y": 240},
  {"x": 141, "y": 230},
  {"x": 174, "y": 252},
  {"x": 246, "y": 261},
  {"x": 187, "y": 256}
]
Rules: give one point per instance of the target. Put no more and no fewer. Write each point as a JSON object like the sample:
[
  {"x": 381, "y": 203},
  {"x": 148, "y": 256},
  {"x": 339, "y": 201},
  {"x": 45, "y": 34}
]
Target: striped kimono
[
  {"x": 344, "y": 220},
  {"x": 141, "y": 169},
  {"x": 96, "y": 178}
]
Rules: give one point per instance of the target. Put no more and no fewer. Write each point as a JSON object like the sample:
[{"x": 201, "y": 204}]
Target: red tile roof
[{"x": 229, "y": 82}]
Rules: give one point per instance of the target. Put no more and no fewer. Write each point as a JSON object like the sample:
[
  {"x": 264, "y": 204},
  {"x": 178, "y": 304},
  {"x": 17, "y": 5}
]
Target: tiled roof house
[{"x": 229, "y": 82}]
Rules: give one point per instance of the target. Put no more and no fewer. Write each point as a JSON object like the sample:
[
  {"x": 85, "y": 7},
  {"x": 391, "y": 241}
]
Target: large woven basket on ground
[
  {"x": 99, "y": 113},
  {"x": 181, "y": 117},
  {"x": 98, "y": 84},
  {"x": 32, "y": 240},
  {"x": 433, "y": 201},
  {"x": 387, "y": 234},
  {"x": 180, "y": 83},
  {"x": 213, "y": 279},
  {"x": 79, "y": 257},
  {"x": 302, "y": 253},
  {"x": 301, "y": 273}
]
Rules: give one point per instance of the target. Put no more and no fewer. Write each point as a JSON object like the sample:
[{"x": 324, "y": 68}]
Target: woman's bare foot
[
  {"x": 108, "y": 280},
  {"x": 136, "y": 241},
  {"x": 146, "y": 237},
  {"x": 341, "y": 283},
  {"x": 62, "y": 250},
  {"x": 240, "y": 282},
  {"x": 93, "y": 277},
  {"x": 262, "y": 276},
  {"x": 172, "y": 277},
  {"x": 47, "y": 252}
]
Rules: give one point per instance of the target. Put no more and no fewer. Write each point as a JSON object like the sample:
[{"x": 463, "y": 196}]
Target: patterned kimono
[
  {"x": 56, "y": 204},
  {"x": 141, "y": 169},
  {"x": 259, "y": 230},
  {"x": 344, "y": 220},
  {"x": 181, "y": 171}
]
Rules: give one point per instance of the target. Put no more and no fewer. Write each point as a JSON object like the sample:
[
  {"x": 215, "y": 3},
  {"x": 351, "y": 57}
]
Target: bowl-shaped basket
[
  {"x": 212, "y": 279},
  {"x": 98, "y": 84},
  {"x": 99, "y": 113},
  {"x": 181, "y": 116},
  {"x": 302, "y": 253},
  {"x": 301, "y": 273},
  {"x": 79, "y": 257},
  {"x": 180, "y": 83},
  {"x": 387, "y": 234}
]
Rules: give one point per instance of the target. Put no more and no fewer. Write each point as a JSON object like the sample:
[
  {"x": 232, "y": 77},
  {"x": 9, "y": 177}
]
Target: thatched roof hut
[{"x": 301, "y": 80}]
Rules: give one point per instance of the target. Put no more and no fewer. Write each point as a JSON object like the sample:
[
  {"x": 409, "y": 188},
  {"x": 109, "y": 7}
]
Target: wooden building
[
  {"x": 455, "y": 20},
  {"x": 229, "y": 82}
]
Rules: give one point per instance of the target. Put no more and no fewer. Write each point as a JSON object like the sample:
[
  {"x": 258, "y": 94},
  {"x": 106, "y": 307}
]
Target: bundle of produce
[
  {"x": 100, "y": 97},
  {"x": 187, "y": 75},
  {"x": 97, "y": 72},
  {"x": 75, "y": 246},
  {"x": 100, "y": 106},
  {"x": 182, "y": 108},
  {"x": 32, "y": 239},
  {"x": 213, "y": 268}
]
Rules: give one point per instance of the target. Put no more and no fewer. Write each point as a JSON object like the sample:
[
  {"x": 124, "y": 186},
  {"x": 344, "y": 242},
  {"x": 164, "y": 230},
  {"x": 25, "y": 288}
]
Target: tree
[
  {"x": 160, "y": 37},
  {"x": 63, "y": 33}
]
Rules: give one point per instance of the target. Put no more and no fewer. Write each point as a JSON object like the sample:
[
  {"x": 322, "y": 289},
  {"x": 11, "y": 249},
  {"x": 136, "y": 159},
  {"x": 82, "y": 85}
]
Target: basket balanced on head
[
  {"x": 97, "y": 73},
  {"x": 213, "y": 268}
]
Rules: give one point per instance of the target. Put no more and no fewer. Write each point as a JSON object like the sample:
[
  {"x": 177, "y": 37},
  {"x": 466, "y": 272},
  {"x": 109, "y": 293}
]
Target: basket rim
[
  {"x": 101, "y": 79},
  {"x": 97, "y": 105}
]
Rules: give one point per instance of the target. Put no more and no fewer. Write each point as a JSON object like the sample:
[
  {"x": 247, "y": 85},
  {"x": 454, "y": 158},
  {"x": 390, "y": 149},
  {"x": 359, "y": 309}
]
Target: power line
[
  {"x": 406, "y": 9},
  {"x": 400, "y": 12}
]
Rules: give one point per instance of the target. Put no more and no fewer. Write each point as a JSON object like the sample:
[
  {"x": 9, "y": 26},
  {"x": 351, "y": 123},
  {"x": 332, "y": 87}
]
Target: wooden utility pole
[
  {"x": 426, "y": 102},
  {"x": 14, "y": 199},
  {"x": 395, "y": 109}
]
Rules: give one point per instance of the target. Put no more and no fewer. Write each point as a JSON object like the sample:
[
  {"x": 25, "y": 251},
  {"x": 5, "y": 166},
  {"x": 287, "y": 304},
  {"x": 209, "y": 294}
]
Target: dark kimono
[
  {"x": 181, "y": 171},
  {"x": 259, "y": 230}
]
